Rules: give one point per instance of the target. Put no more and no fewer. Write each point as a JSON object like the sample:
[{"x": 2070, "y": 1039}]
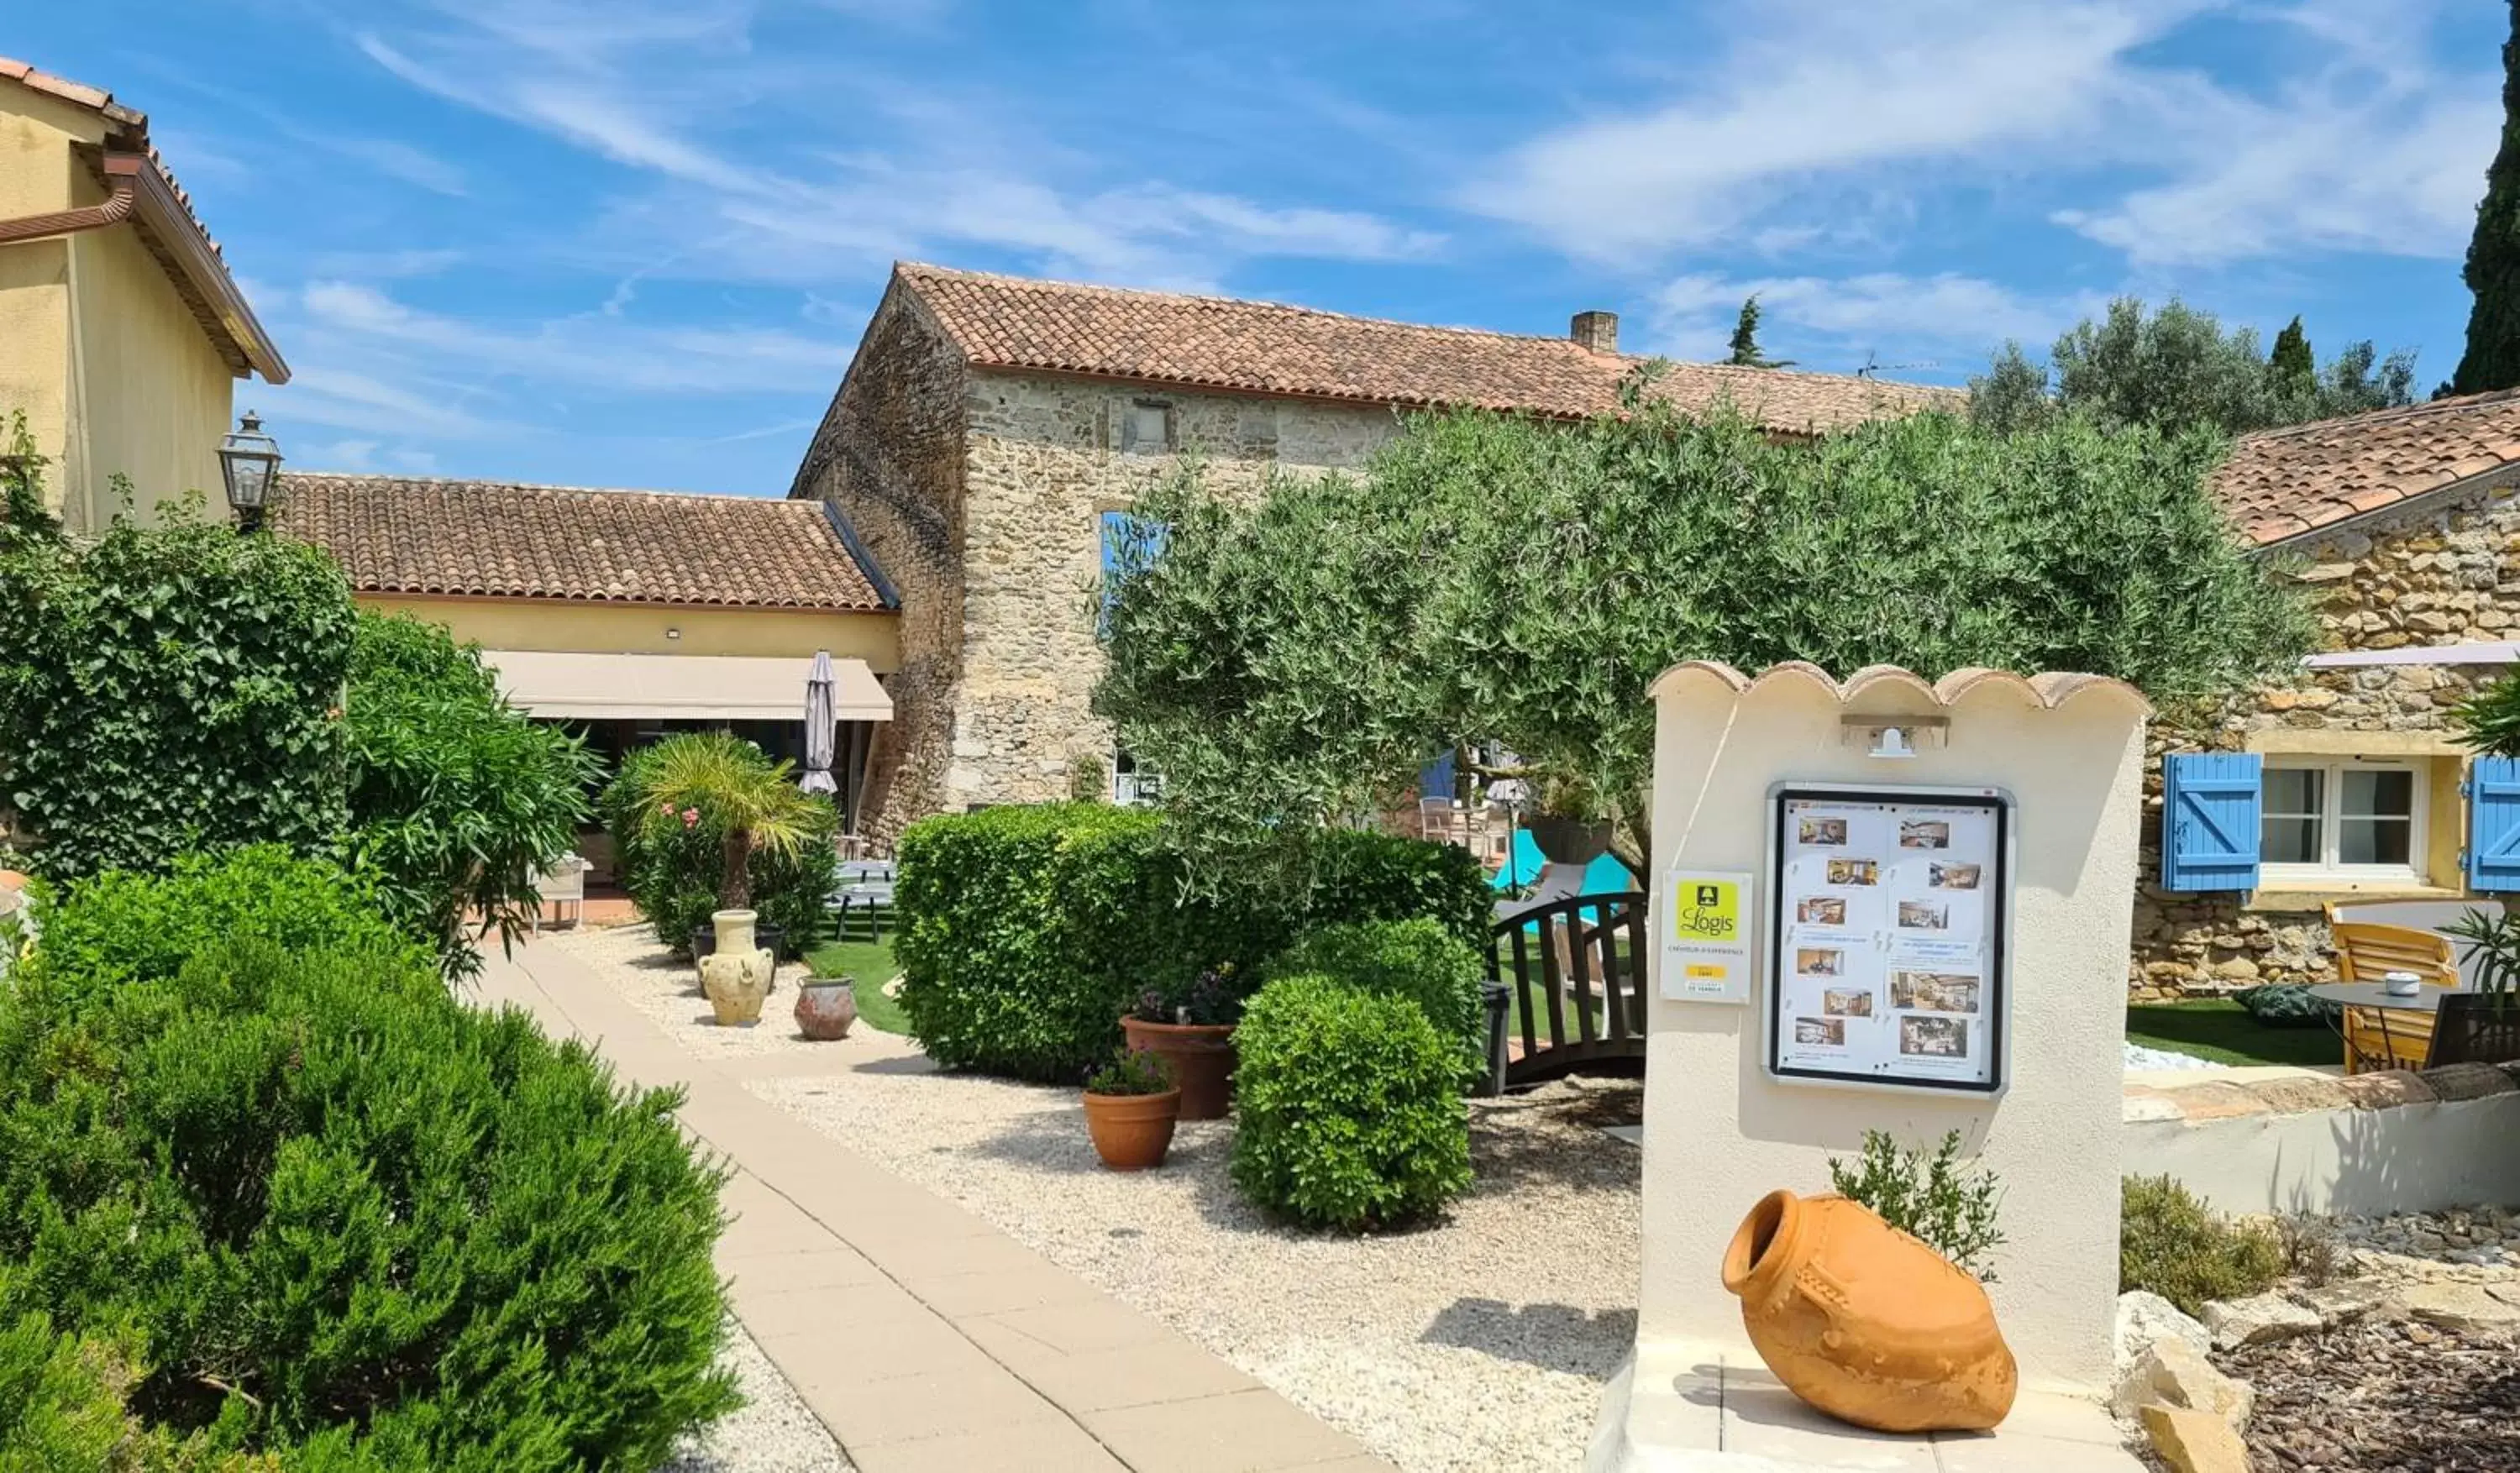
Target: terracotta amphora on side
[{"x": 1865, "y": 1322}]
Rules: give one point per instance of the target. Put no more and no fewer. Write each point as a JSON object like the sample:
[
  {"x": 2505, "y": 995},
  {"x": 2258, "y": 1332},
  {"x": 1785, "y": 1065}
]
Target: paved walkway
[{"x": 926, "y": 1339}]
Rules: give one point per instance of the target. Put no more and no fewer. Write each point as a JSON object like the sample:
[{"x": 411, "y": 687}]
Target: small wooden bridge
[{"x": 1573, "y": 970}]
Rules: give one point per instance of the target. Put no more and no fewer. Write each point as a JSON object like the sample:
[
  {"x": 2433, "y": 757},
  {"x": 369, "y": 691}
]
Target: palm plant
[{"x": 754, "y": 802}]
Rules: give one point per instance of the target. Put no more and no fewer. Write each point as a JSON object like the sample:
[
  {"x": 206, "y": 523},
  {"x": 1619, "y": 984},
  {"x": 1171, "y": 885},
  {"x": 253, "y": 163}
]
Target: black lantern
[{"x": 249, "y": 463}]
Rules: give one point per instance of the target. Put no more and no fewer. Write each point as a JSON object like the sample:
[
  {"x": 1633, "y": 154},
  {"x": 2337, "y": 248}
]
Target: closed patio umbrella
[{"x": 819, "y": 727}]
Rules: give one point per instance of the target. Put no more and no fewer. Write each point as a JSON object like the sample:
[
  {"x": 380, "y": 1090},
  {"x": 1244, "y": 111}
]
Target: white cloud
[
  {"x": 1820, "y": 116},
  {"x": 1818, "y": 99},
  {"x": 1960, "y": 317}
]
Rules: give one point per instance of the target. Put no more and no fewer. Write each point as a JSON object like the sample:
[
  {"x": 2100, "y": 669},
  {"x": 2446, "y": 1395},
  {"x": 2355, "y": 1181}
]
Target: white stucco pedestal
[{"x": 1720, "y": 1130}]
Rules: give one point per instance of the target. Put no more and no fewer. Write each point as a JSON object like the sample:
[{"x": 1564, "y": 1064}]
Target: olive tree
[{"x": 1289, "y": 660}]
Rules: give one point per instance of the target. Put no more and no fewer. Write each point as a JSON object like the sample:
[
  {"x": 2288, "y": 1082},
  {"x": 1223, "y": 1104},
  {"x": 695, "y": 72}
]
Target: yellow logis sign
[{"x": 1707, "y": 936}]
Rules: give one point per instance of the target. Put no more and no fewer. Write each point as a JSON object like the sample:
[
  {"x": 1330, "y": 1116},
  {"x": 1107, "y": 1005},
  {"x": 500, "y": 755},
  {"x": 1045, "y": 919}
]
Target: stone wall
[
  {"x": 1045, "y": 460},
  {"x": 890, "y": 454},
  {"x": 2442, "y": 574}
]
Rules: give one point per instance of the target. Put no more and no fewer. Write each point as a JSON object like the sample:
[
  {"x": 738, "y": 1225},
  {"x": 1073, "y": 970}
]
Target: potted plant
[
  {"x": 1568, "y": 829},
  {"x": 1194, "y": 1035},
  {"x": 1130, "y": 1106},
  {"x": 826, "y": 1007},
  {"x": 758, "y": 807}
]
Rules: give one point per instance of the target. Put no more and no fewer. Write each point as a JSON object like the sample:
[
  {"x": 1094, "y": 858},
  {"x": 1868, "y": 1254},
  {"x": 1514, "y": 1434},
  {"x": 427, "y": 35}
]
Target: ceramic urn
[
  {"x": 1865, "y": 1322},
  {"x": 737, "y": 975}
]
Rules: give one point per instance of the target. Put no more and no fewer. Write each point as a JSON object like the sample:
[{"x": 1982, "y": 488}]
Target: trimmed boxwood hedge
[
  {"x": 1347, "y": 1105},
  {"x": 313, "y": 1206},
  {"x": 1025, "y": 932}
]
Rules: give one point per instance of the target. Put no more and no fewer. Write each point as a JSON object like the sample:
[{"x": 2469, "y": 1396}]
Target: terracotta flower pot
[
  {"x": 1568, "y": 841},
  {"x": 1200, "y": 1056},
  {"x": 737, "y": 975},
  {"x": 1865, "y": 1322},
  {"x": 826, "y": 1007},
  {"x": 1132, "y": 1132}
]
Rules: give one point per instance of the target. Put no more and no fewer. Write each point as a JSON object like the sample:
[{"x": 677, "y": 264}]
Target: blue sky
[{"x": 633, "y": 243}]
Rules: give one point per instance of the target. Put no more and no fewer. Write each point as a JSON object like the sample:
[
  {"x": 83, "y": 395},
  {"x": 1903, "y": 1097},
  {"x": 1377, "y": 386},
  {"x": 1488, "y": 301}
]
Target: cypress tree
[
  {"x": 2291, "y": 363},
  {"x": 2492, "y": 359},
  {"x": 1745, "y": 334}
]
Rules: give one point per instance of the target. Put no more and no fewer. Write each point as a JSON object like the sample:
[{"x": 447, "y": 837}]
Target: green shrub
[
  {"x": 1026, "y": 933},
  {"x": 346, "y": 1220},
  {"x": 171, "y": 689},
  {"x": 1132, "y": 1073},
  {"x": 1348, "y": 1106},
  {"x": 456, "y": 799},
  {"x": 673, "y": 871},
  {"x": 2175, "y": 1246},
  {"x": 1417, "y": 960},
  {"x": 1947, "y": 1203},
  {"x": 121, "y": 926}
]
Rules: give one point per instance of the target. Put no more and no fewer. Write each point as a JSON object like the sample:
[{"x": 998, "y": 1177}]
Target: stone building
[
  {"x": 990, "y": 426},
  {"x": 2348, "y": 783}
]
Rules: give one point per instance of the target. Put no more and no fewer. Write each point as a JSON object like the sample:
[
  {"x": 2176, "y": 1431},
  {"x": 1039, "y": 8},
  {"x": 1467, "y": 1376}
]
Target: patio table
[{"x": 2377, "y": 994}]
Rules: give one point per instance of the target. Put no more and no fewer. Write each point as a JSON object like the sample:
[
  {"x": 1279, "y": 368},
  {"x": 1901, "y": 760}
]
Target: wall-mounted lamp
[
  {"x": 672, "y": 633},
  {"x": 1894, "y": 737},
  {"x": 249, "y": 464}
]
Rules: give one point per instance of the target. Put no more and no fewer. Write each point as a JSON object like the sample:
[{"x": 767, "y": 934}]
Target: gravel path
[
  {"x": 771, "y": 1433},
  {"x": 2140, "y": 1059},
  {"x": 1479, "y": 1343},
  {"x": 2384, "y": 1398}
]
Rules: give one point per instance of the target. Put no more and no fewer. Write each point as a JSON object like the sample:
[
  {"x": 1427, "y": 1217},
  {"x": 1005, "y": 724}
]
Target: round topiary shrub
[
  {"x": 1348, "y": 1106},
  {"x": 1422, "y": 960}
]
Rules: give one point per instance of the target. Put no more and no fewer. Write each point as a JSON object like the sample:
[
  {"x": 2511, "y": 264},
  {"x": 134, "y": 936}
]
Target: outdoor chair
[
  {"x": 2475, "y": 1028},
  {"x": 2380, "y": 1037},
  {"x": 562, "y": 885}
]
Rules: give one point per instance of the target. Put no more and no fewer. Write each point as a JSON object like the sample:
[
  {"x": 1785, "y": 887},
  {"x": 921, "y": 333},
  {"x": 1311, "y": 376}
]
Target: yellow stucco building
[
  {"x": 627, "y": 614},
  {"x": 121, "y": 333}
]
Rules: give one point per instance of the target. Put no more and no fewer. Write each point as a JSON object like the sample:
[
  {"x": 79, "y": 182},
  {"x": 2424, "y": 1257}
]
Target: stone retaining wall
[{"x": 2392, "y": 1142}]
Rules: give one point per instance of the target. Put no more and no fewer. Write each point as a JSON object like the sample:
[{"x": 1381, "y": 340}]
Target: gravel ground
[
  {"x": 668, "y": 991},
  {"x": 2140, "y": 1059},
  {"x": 1478, "y": 1343},
  {"x": 1481, "y": 1342},
  {"x": 771, "y": 1433}
]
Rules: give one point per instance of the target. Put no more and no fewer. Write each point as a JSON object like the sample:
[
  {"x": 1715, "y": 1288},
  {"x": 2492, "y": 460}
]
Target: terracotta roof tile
[
  {"x": 1238, "y": 346},
  {"x": 394, "y": 535},
  {"x": 2281, "y": 483}
]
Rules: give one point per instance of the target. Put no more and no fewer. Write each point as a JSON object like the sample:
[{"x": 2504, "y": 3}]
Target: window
[
  {"x": 1147, "y": 429},
  {"x": 2351, "y": 819},
  {"x": 1131, "y": 783}
]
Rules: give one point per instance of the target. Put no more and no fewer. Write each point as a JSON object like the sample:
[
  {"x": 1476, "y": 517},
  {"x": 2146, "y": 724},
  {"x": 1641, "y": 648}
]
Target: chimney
[{"x": 1597, "y": 331}]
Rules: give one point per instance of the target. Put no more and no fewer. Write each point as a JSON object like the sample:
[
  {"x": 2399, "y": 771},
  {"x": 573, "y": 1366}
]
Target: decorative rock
[
  {"x": 2343, "y": 1302},
  {"x": 2194, "y": 1441},
  {"x": 2145, "y": 1319},
  {"x": 2382, "y": 1089},
  {"x": 2463, "y": 1309},
  {"x": 2174, "y": 1373},
  {"x": 2259, "y": 1320}
]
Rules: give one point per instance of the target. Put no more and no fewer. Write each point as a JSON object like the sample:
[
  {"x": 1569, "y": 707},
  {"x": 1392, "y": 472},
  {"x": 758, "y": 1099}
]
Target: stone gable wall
[
  {"x": 1044, "y": 462},
  {"x": 2444, "y": 574},
  {"x": 890, "y": 454}
]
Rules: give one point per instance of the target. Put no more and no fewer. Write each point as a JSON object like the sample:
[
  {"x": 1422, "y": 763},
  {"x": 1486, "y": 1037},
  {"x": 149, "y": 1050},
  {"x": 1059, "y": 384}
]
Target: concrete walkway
[{"x": 926, "y": 1339}]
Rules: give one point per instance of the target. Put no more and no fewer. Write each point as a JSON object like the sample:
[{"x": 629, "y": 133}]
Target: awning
[{"x": 679, "y": 687}]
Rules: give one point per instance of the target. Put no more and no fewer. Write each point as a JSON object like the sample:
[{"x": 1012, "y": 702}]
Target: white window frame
[
  {"x": 2328, "y": 871},
  {"x": 1139, "y": 786}
]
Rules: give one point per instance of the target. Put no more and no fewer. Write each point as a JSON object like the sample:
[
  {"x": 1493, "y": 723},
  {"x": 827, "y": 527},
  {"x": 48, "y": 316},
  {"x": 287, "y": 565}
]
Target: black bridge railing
[{"x": 1573, "y": 972}]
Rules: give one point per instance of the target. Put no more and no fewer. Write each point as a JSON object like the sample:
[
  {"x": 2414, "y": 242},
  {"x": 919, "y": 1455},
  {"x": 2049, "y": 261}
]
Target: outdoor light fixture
[
  {"x": 1894, "y": 737},
  {"x": 249, "y": 464}
]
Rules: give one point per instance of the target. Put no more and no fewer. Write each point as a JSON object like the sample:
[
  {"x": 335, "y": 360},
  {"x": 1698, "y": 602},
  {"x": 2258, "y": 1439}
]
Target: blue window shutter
[
  {"x": 2209, "y": 820},
  {"x": 2493, "y": 824},
  {"x": 1435, "y": 781}
]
